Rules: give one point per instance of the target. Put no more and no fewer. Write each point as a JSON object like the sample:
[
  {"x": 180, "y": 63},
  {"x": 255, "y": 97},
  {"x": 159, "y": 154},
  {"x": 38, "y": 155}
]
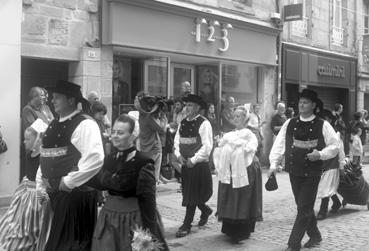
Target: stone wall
[{"x": 63, "y": 25}]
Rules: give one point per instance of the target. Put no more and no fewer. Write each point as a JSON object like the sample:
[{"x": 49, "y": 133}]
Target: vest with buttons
[
  {"x": 302, "y": 137},
  {"x": 189, "y": 137},
  {"x": 58, "y": 155}
]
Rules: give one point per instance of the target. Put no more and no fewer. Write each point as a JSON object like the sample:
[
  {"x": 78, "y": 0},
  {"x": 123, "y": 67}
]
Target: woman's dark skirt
[
  {"x": 239, "y": 208},
  {"x": 354, "y": 190},
  {"x": 74, "y": 220},
  {"x": 197, "y": 184}
]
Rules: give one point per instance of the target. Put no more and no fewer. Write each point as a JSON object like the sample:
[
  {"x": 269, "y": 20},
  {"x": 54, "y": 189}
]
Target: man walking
[
  {"x": 71, "y": 154},
  {"x": 193, "y": 143},
  {"x": 304, "y": 141}
]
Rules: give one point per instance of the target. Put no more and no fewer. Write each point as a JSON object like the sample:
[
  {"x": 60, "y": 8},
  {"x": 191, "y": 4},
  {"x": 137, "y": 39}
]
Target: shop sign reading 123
[{"x": 211, "y": 36}]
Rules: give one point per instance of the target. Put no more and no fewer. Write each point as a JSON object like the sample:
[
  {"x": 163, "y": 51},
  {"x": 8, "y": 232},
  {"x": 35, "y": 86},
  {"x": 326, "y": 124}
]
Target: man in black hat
[
  {"x": 193, "y": 143},
  {"x": 71, "y": 154},
  {"x": 304, "y": 142}
]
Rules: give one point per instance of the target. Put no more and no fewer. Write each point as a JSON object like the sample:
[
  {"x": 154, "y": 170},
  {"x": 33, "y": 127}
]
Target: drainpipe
[{"x": 278, "y": 86}]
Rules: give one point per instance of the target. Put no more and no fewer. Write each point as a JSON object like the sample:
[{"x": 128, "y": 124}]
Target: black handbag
[
  {"x": 3, "y": 146},
  {"x": 271, "y": 184}
]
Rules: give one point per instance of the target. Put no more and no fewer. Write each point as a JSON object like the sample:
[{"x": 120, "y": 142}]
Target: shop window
[
  {"x": 156, "y": 77},
  {"x": 208, "y": 83},
  {"x": 181, "y": 73},
  {"x": 240, "y": 82}
]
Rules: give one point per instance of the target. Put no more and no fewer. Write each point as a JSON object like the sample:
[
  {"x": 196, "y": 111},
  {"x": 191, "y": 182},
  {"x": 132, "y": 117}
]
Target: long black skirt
[
  {"x": 73, "y": 222},
  {"x": 197, "y": 184},
  {"x": 239, "y": 208}
]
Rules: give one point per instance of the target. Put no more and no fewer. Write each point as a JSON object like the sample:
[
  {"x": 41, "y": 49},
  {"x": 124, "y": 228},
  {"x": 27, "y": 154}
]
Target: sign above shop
[
  {"x": 293, "y": 12},
  {"x": 210, "y": 35},
  {"x": 331, "y": 71}
]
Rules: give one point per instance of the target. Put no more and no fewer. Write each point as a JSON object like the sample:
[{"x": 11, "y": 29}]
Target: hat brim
[{"x": 202, "y": 104}]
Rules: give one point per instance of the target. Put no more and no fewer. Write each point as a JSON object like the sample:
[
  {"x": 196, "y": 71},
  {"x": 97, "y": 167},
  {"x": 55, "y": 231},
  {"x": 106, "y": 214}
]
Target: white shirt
[
  {"x": 206, "y": 134},
  {"x": 331, "y": 141},
  {"x": 87, "y": 140}
]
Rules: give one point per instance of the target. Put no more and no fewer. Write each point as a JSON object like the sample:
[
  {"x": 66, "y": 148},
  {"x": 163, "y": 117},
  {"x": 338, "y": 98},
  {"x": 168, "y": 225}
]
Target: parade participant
[
  {"x": 21, "y": 224},
  {"x": 71, "y": 154},
  {"x": 129, "y": 177},
  {"x": 193, "y": 143},
  {"x": 331, "y": 176},
  {"x": 240, "y": 184},
  {"x": 304, "y": 141}
]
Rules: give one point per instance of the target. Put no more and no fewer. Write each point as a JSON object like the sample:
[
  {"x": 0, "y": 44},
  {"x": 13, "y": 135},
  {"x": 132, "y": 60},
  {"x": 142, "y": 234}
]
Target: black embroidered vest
[
  {"x": 302, "y": 137},
  {"x": 189, "y": 137},
  {"x": 58, "y": 155}
]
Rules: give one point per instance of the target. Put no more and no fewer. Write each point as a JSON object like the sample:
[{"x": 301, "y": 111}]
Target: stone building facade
[
  {"x": 155, "y": 44},
  {"x": 325, "y": 41}
]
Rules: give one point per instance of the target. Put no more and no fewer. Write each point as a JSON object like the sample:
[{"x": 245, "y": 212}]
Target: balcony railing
[
  {"x": 300, "y": 28},
  {"x": 337, "y": 35}
]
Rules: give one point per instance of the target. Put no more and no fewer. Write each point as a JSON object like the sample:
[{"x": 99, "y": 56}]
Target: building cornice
[{"x": 191, "y": 9}]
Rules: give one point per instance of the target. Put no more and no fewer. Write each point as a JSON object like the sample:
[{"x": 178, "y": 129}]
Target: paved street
[{"x": 348, "y": 230}]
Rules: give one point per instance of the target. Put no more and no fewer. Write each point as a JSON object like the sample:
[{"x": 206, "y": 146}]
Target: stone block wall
[
  {"x": 320, "y": 21},
  {"x": 60, "y": 24}
]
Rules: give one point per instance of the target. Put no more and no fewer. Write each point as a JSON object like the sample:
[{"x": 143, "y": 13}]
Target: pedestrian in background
[
  {"x": 193, "y": 143},
  {"x": 71, "y": 154},
  {"x": 278, "y": 119},
  {"x": 290, "y": 112},
  {"x": 129, "y": 177},
  {"x": 21, "y": 225},
  {"x": 98, "y": 112},
  {"x": 356, "y": 148},
  {"x": 305, "y": 142},
  {"x": 36, "y": 108},
  {"x": 240, "y": 184}
]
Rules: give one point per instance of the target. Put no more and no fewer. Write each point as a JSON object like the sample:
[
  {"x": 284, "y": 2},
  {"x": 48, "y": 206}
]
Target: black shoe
[
  {"x": 292, "y": 249},
  {"x": 183, "y": 231},
  {"x": 313, "y": 242},
  {"x": 321, "y": 216},
  {"x": 204, "y": 219},
  {"x": 335, "y": 209}
]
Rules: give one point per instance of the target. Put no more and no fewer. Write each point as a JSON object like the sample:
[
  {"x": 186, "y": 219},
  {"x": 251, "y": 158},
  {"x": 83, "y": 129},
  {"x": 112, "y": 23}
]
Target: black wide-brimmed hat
[
  {"x": 195, "y": 99},
  {"x": 71, "y": 90},
  {"x": 309, "y": 94}
]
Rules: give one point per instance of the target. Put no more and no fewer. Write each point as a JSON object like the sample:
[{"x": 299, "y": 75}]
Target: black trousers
[
  {"x": 304, "y": 190},
  {"x": 190, "y": 213}
]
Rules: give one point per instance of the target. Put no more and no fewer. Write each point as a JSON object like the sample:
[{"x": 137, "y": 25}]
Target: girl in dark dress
[
  {"x": 20, "y": 227},
  {"x": 129, "y": 178}
]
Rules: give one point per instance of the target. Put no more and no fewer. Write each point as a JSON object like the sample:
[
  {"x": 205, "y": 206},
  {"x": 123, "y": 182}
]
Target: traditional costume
[
  {"x": 240, "y": 184},
  {"x": 297, "y": 138},
  {"x": 71, "y": 153},
  {"x": 129, "y": 178},
  {"x": 194, "y": 142},
  {"x": 20, "y": 227}
]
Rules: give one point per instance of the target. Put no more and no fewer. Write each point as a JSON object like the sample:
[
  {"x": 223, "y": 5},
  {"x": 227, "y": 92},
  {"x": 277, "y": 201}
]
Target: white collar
[
  {"x": 309, "y": 118},
  {"x": 193, "y": 118},
  {"x": 62, "y": 119}
]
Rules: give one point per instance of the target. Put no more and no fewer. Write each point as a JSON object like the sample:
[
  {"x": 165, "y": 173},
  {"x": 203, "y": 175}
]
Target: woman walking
[
  {"x": 129, "y": 177},
  {"x": 240, "y": 184}
]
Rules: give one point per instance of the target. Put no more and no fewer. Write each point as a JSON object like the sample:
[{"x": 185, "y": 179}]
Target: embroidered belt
[
  {"x": 188, "y": 141},
  {"x": 305, "y": 144},
  {"x": 53, "y": 152}
]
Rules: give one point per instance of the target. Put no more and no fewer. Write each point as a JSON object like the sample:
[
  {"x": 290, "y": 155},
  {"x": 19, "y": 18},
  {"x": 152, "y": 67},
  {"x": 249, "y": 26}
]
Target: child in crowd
[
  {"x": 98, "y": 112},
  {"x": 356, "y": 147}
]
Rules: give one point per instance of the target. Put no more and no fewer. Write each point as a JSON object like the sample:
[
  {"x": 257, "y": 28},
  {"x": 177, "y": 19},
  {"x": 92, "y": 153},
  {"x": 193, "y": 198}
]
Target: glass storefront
[{"x": 160, "y": 76}]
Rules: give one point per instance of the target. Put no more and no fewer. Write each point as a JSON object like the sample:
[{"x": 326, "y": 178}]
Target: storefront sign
[
  {"x": 293, "y": 12},
  {"x": 365, "y": 49},
  {"x": 211, "y": 31},
  {"x": 331, "y": 71}
]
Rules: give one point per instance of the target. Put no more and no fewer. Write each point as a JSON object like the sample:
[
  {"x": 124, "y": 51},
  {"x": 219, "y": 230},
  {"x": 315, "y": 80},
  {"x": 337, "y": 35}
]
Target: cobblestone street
[{"x": 348, "y": 230}]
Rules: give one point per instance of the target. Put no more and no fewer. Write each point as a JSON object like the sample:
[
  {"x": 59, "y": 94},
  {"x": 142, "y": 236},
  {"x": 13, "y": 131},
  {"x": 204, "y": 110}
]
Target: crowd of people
[{"x": 77, "y": 160}]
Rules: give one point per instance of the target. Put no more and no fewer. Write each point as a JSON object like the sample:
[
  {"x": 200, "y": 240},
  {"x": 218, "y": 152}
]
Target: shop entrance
[{"x": 329, "y": 95}]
